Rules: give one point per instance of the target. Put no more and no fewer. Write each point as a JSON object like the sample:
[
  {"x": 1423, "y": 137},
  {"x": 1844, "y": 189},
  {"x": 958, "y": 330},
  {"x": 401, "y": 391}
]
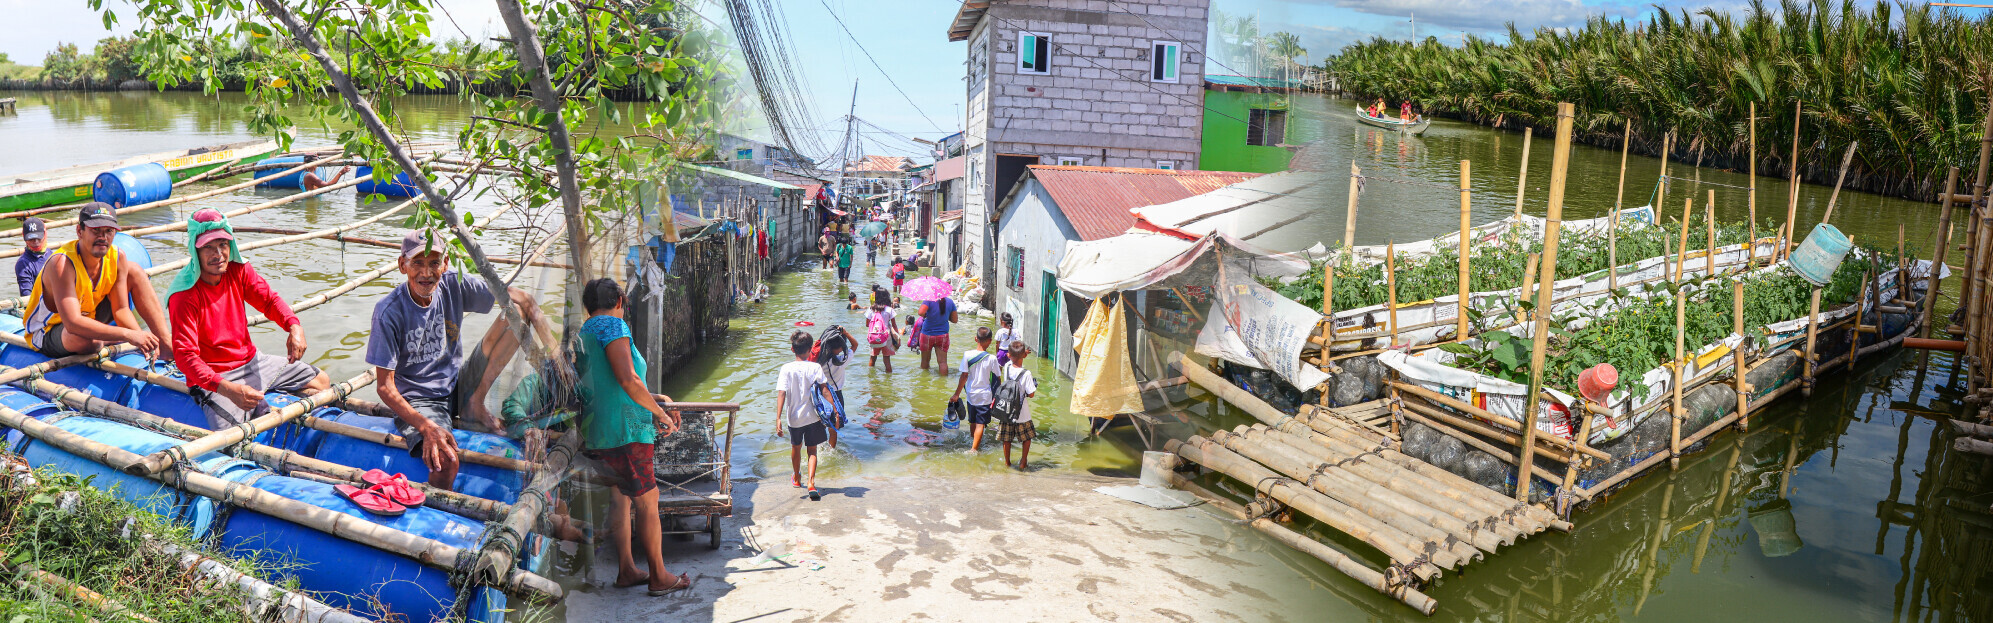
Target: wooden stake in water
[
  {"x": 1938, "y": 260},
  {"x": 1681, "y": 338},
  {"x": 1737, "y": 355},
  {"x": 1709, "y": 247},
  {"x": 1560, "y": 164},
  {"x": 1682, "y": 249},
  {"x": 1522, "y": 177},
  {"x": 1790, "y": 228},
  {"x": 1812, "y": 336},
  {"x": 1391, "y": 287},
  {"x": 1751, "y": 246},
  {"x": 1847, "y": 158},
  {"x": 1618, "y": 203},
  {"x": 1466, "y": 230},
  {"x": 1661, "y": 193}
]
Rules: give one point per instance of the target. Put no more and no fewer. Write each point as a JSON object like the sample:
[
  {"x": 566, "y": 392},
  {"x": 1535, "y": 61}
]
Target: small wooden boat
[
  {"x": 1413, "y": 128},
  {"x": 72, "y": 184}
]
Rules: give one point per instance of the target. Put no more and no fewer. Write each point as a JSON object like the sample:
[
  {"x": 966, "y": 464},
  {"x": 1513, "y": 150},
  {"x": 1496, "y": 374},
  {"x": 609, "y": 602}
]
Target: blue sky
[{"x": 909, "y": 39}]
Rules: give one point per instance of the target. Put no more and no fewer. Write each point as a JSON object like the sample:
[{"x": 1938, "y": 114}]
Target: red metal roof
[
  {"x": 881, "y": 164},
  {"x": 948, "y": 169},
  {"x": 1097, "y": 200},
  {"x": 948, "y": 216}
]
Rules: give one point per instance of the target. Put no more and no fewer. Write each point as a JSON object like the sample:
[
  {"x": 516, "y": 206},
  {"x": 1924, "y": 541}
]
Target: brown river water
[{"x": 1841, "y": 507}]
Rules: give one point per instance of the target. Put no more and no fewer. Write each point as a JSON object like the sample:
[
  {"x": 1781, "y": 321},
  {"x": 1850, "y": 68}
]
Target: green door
[{"x": 1048, "y": 324}]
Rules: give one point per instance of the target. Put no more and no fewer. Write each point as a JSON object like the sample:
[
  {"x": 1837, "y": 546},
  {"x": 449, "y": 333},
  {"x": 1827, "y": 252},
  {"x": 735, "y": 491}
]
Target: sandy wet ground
[{"x": 1007, "y": 547}]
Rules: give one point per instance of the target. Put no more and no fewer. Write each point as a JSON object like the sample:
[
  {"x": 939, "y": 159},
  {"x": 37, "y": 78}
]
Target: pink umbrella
[{"x": 927, "y": 289}]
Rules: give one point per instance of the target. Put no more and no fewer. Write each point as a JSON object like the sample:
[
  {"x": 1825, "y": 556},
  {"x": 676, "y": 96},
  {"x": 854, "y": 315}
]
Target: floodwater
[{"x": 1842, "y": 507}]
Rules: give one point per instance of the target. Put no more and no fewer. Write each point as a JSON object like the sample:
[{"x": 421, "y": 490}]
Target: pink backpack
[{"x": 878, "y": 327}]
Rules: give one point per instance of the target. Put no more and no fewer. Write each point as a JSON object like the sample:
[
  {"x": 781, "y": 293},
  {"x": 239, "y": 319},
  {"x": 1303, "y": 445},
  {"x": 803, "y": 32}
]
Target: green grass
[{"x": 80, "y": 537}]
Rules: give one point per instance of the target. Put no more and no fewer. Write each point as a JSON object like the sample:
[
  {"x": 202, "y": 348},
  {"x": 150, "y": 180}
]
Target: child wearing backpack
[
  {"x": 979, "y": 371},
  {"x": 1012, "y": 405},
  {"x": 797, "y": 385},
  {"x": 882, "y": 333}
]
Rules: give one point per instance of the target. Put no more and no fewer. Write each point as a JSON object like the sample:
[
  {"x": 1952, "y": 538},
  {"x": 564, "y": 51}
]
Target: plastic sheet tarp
[
  {"x": 1104, "y": 376},
  {"x": 1145, "y": 261},
  {"x": 1271, "y": 330}
]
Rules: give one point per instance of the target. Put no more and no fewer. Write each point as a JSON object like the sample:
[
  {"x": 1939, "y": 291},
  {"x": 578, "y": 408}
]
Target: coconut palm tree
[{"x": 1286, "y": 47}]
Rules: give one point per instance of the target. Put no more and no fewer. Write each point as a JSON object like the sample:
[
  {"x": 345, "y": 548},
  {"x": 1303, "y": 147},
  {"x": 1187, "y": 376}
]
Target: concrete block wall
[{"x": 1095, "y": 104}]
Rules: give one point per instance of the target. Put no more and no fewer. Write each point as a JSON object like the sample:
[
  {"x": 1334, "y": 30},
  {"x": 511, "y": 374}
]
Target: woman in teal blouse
[{"x": 621, "y": 428}]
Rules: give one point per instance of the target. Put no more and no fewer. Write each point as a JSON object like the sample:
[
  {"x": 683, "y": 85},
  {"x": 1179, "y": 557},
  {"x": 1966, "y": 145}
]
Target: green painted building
[{"x": 1245, "y": 122}]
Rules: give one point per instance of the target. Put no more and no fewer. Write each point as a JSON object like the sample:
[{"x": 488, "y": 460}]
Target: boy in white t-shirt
[
  {"x": 1021, "y": 429},
  {"x": 978, "y": 367},
  {"x": 798, "y": 410},
  {"x": 1004, "y": 336}
]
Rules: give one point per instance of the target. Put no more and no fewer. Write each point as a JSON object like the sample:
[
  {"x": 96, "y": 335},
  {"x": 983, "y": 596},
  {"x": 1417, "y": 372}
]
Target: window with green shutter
[
  {"x": 1163, "y": 57},
  {"x": 1034, "y": 53}
]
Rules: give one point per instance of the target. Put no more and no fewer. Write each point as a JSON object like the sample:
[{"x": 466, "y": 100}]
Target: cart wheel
[{"x": 713, "y": 531}]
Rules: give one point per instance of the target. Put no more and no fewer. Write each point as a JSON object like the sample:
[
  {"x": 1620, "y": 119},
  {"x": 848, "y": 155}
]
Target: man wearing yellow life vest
[{"x": 86, "y": 287}]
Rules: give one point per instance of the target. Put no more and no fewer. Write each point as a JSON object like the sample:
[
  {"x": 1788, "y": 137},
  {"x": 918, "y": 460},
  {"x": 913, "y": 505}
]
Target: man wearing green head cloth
[{"x": 211, "y": 330}]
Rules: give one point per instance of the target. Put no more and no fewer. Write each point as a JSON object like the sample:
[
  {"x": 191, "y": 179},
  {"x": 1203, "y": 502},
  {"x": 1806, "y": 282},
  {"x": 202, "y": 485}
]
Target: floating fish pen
[
  {"x": 1463, "y": 411},
  {"x": 265, "y": 490}
]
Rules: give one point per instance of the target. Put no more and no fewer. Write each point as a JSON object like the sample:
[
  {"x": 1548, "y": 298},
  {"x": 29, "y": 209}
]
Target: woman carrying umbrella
[{"x": 936, "y": 312}]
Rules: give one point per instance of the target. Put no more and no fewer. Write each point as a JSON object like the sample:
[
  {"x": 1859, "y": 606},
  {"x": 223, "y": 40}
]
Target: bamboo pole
[
  {"x": 1709, "y": 247},
  {"x": 1667, "y": 149},
  {"x": 1936, "y": 283},
  {"x": 1393, "y": 469},
  {"x": 1477, "y": 428},
  {"x": 518, "y": 583},
  {"x": 1335, "y": 514},
  {"x": 1529, "y": 268},
  {"x": 384, "y": 244},
  {"x": 299, "y": 237},
  {"x": 1618, "y": 204},
  {"x": 395, "y": 441},
  {"x": 1811, "y": 360},
  {"x": 1737, "y": 356},
  {"x": 33, "y": 578},
  {"x": 1847, "y": 158},
  {"x": 1677, "y": 412},
  {"x": 1376, "y": 472},
  {"x": 159, "y": 461},
  {"x": 1522, "y": 177},
  {"x": 181, "y": 225},
  {"x": 1391, "y": 287},
  {"x": 1751, "y": 196},
  {"x": 1560, "y": 164},
  {"x": 1339, "y": 561},
  {"x": 170, "y": 201},
  {"x": 1466, "y": 229},
  {"x": 1372, "y": 502},
  {"x": 1349, "y": 214},
  {"x": 1471, "y": 492},
  {"x": 1792, "y": 189},
  {"x": 1560, "y": 444},
  {"x": 1580, "y": 444},
  {"x": 1682, "y": 249}
]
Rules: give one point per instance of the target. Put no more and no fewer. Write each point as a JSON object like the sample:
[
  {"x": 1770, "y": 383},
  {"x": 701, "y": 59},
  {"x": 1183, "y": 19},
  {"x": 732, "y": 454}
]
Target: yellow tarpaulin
[{"x": 1104, "y": 379}]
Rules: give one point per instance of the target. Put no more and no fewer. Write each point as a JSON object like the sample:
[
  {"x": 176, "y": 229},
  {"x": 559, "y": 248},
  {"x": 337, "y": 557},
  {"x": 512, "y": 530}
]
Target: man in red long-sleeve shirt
[{"x": 211, "y": 342}]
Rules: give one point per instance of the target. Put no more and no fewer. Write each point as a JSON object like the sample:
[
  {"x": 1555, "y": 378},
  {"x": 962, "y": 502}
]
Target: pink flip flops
[
  {"x": 395, "y": 487},
  {"x": 370, "y": 500}
]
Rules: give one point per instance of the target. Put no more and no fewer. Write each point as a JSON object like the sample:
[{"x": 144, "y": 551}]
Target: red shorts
[
  {"x": 632, "y": 466},
  {"x": 934, "y": 341}
]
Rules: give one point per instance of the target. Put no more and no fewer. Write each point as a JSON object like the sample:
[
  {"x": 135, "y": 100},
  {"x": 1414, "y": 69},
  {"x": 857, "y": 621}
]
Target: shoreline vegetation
[{"x": 1910, "y": 83}]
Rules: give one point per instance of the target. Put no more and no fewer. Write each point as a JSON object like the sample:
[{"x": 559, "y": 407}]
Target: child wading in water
[
  {"x": 978, "y": 368},
  {"x": 851, "y": 302},
  {"x": 881, "y": 332},
  {"x": 796, "y": 386},
  {"x": 1016, "y": 378}
]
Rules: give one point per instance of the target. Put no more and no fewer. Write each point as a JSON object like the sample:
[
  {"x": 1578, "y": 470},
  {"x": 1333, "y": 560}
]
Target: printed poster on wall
[{"x": 1271, "y": 327}]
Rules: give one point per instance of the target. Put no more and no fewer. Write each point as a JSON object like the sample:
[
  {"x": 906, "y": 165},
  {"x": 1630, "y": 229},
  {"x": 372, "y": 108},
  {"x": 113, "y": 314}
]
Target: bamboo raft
[
  {"x": 1354, "y": 468},
  {"x": 66, "y": 407}
]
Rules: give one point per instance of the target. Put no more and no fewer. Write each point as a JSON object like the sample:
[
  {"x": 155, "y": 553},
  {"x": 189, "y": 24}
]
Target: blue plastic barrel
[
  {"x": 29, "y": 404},
  {"x": 134, "y": 185},
  {"x": 1821, "y": 253},
  {"x": 368, "y": 581},
  {"x": 400, "y": 187},
  {"x": 105, "y": 385},
  {"x": 163, "y": 401},
  {"x": 482, "y": 481},
  {"x": 144, "y": 492},
  {"x": 133, "y": 249},
  {"x": 268, "y": 178}
]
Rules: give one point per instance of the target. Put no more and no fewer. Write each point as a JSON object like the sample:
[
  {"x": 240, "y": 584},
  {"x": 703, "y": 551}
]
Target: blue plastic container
[
  {"x": 97, "y": 382},
  {"x": 344, "y": 574},
  {"x": 29, "y": 404},
  {"x": 163, "y": 401},
  {"x": 400, "y": 187},
  {"x": 134, "y": 185},
  {"x": 478, "y": 480},
  {"x": 133, "y": 250},
  {"x": 268, "y": 178},
  {"x": 1821, "y": 253}
]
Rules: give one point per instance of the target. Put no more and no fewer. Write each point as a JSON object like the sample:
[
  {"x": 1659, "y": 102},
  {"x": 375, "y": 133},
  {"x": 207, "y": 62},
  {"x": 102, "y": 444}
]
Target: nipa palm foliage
[{"x": 1907, "y": 81}]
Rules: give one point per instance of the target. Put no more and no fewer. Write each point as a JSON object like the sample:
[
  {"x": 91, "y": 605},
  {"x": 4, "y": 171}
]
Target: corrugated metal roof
[
  {"x": 881, "y": 164},
  {"x": 947, "y": 216},
  {"x": 1251, "y": 81},
  {"x": 966, "y": 19},
  {"x": 1097, "y": 200}
]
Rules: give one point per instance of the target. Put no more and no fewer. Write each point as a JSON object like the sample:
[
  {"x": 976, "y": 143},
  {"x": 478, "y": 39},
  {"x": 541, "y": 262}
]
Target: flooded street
[{"x": 1838, "y": 507}]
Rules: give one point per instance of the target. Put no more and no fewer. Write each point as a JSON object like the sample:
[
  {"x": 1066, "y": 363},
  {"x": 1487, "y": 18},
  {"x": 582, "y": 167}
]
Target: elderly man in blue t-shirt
[{"x": 418, "y": 354}]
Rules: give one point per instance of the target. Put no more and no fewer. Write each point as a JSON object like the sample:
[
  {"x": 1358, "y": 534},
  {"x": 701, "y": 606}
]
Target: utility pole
[{"x": 850, "y": 143}]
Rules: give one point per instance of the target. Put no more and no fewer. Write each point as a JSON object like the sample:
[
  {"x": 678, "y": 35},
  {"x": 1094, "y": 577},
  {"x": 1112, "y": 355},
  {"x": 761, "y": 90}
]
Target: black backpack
[{"x": 1009, "y": 398}]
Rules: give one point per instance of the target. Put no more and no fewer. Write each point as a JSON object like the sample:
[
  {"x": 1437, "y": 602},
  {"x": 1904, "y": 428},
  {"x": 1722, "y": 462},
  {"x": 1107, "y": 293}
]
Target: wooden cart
[{"x": 694, "y": 470}]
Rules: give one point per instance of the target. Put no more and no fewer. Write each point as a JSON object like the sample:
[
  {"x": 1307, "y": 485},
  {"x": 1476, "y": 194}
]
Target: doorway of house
[{"x": 1048, "y": 323}]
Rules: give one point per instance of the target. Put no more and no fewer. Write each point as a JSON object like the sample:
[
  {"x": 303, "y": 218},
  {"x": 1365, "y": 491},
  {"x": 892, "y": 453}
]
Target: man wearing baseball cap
[
  {"x": 211, "y": 331},
  {"x": 83, "y": 299},
  {"x": 416, "y": 348},
  {"x": 34, "y": 232}
]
